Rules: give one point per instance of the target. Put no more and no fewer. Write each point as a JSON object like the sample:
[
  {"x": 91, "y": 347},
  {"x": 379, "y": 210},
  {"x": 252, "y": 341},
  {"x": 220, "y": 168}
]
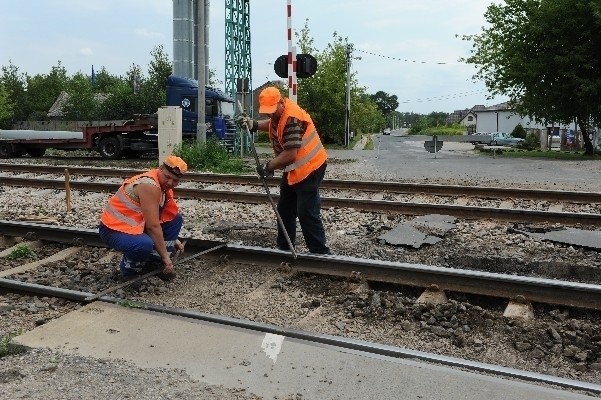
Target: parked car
[
  {"x": 504, "y": 139},
  {"x": 386, "y": 131},
  {"x": 479, "y": 141}
]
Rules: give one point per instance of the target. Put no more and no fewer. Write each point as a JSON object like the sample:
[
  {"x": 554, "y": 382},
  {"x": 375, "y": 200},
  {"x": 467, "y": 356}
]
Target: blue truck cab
[{"x": 219, "y": 112}]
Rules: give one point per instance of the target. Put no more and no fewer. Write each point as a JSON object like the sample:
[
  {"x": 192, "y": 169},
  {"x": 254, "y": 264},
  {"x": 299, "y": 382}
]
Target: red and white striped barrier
[{"x": 292, "y": 83}]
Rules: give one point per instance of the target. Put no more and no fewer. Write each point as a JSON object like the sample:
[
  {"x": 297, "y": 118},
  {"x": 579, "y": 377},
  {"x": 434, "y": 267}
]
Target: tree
[
  {"x": 6, "y": 108},
  {"x": 213, "y": 80},
  {"x": 544, "y": 55},
  {"x": 153, "y": 90},
  {"x": 105, "y": 81},
  {"x": 81, "y": 104},
  {"x": 385, "y": 102},
  {"x": 43, "y": 90},
  {"x": 365, "y": 115},
  {"x": 323, "y": 95},
  {"x": 519, "y": 132},
  {"x": 15, "y": 83},
  {"x": 419, "y": 125},
  {"x": 136, "y": 93},
  {"x": 437, "y": 118},
  {"x": 120, "y": 102}
]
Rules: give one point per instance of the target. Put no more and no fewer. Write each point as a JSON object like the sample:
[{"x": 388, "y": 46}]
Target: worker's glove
[
  {"x": 263, "y": 170},
  {"x": 245, "y": 121}
]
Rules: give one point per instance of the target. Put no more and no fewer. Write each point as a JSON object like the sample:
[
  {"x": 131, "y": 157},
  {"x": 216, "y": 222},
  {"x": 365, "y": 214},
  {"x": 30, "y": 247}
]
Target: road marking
[{"x": 272, "y": 345}]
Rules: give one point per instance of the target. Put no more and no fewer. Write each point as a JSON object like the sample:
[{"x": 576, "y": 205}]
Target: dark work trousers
[
  {"x": 137, "y": 249},
  {"x": 302, "y": 200}
]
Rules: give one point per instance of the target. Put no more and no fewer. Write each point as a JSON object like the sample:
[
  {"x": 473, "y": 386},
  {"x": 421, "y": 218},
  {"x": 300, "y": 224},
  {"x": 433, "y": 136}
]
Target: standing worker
[
  {"x": 300, "y": 154},
  {"x": 143, "y": 221}
]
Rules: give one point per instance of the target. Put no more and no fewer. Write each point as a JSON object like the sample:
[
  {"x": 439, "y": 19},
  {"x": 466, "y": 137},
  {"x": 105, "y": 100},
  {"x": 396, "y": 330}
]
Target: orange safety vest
[
  {"x": 123, "y": 214},
  {"x": 311, "y": 154}
]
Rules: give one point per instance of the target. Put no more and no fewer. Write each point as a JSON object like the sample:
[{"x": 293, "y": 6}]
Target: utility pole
[
  {"x": 206, "y": 40},
  {"x": 347, "y": 114},
  {"x": 201, "y": 127}
]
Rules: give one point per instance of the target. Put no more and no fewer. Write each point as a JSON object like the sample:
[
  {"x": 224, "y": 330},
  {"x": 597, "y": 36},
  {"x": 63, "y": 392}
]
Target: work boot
[{"x": 128, "y": 268}]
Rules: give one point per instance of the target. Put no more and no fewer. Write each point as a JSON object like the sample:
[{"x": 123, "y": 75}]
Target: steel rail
[
  {"x": 549, "y": 291},
  {"x": 488, "y": 192},
  {"x": 368, "y": 348},
  {"x": 75, "y": 236},
  {"x": 457, "y": 211}
]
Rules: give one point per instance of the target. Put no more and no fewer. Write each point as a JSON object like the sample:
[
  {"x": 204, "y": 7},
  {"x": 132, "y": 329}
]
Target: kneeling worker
[{"x": 143, "y": 221}]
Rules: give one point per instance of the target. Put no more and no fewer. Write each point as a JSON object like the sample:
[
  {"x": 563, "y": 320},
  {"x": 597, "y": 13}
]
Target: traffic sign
[
  {"x": 429, "y": 145},
  {"x": 306, "y": 66}
]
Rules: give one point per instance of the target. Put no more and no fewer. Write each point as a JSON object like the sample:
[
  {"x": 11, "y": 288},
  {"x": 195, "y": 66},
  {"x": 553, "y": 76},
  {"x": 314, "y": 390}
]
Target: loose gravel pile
[{"x": 559, "y": 341}]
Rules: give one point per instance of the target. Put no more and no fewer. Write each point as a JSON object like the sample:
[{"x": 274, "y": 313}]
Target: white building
[{"x": 501, "y": 118}]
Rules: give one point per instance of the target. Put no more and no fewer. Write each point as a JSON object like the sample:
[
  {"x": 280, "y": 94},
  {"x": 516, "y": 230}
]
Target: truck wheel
[
  {"x": 7, "y": 150},
  {"x": 36, "y": 152},
  {"x": 110, "y": 148}
]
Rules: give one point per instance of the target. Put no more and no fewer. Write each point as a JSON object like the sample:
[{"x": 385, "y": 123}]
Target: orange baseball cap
[
  {"x": 268, "y": 100},
  {"x": 175, "y": 165}
]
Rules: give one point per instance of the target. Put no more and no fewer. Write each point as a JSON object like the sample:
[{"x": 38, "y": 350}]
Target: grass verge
[
  {"x": 545, "y": 154},
  {"x": 210, "y": 156}
]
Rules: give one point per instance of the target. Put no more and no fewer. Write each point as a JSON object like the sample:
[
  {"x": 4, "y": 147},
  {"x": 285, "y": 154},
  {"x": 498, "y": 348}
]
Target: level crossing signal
[{"x": 306, "y": 66}]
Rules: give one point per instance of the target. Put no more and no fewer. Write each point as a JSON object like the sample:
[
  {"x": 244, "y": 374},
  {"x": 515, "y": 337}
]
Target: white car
[
  {"x": 504, "y": 139},
  {"x": 386, "y": 131}
]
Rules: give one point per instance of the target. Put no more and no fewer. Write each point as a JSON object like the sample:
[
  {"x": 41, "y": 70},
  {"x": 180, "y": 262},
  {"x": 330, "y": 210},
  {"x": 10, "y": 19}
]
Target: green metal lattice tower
[
  {"x": 237, "y": 47},
  {"x": 237, "y": 60}
]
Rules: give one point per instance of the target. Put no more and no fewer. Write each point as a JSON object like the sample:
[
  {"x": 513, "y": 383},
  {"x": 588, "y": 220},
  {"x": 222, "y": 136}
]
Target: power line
[
  {"x": 409, "y": 61},
  {"x": 428, "y": 99},
  {"x": 445, "y": 97}
]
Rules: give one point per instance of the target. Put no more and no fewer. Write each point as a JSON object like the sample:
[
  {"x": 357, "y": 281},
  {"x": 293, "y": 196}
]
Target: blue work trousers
[
  {"x": 302, "y": 200},
  {"x": 138, "y": 249}
]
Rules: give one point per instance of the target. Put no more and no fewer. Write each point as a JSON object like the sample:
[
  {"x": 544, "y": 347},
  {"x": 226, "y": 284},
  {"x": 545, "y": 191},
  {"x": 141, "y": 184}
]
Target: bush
[
  {"x": 210, "y": 156},
  {"x": 531, "y": 142},
  {"x": 519, "y": 132},
  {"x": 261, "y": 137},
  {"x": 454, "y": 130}
]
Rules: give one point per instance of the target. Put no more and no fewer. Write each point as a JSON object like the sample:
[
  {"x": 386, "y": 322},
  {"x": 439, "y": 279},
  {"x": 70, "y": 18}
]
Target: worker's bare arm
[{"x": 283, "y": 159}]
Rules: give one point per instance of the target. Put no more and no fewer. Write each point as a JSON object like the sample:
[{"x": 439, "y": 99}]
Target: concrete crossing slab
[{"x": 267, "y": 365}]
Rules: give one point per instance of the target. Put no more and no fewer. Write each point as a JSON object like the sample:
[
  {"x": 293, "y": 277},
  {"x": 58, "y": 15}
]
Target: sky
[{"x": 401, "y": 43}]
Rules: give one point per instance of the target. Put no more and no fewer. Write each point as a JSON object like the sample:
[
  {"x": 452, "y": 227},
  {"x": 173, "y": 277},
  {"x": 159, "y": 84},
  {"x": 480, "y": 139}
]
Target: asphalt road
[{"x": 397, "y": 157}]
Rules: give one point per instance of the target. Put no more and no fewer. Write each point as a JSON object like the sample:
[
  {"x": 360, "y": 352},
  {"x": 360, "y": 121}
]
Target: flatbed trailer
[{"x": 111, "y": 141}]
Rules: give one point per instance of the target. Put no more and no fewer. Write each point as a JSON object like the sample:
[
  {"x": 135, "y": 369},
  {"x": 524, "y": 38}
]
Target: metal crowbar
[
  {"x": 139, "y": 278},
  {"x": 275, "y": 209}
]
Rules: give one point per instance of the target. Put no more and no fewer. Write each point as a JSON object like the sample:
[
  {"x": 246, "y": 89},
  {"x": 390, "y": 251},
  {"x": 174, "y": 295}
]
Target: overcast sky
[{"x": 400, "y": 42}]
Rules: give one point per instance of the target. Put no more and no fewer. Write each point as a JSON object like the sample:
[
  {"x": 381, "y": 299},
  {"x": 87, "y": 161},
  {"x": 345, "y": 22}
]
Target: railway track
[
  {"x": 251, "y": 193},
  {"x": 487, "y": 192},
  {"x": 555, "y": 292},
  {"x": 540, "y": 290},
  {"x": 368, "y": 348}
]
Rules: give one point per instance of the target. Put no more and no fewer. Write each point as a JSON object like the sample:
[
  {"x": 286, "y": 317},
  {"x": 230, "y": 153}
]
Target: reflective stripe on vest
[
  {"x": 309, "y": 156},
  {"x": 124, "y": 214},
  {"x": 130, "y": 205}
]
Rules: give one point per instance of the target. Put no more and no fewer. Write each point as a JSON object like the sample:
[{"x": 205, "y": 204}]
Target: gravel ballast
[{"x": 558, "y": 341}]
